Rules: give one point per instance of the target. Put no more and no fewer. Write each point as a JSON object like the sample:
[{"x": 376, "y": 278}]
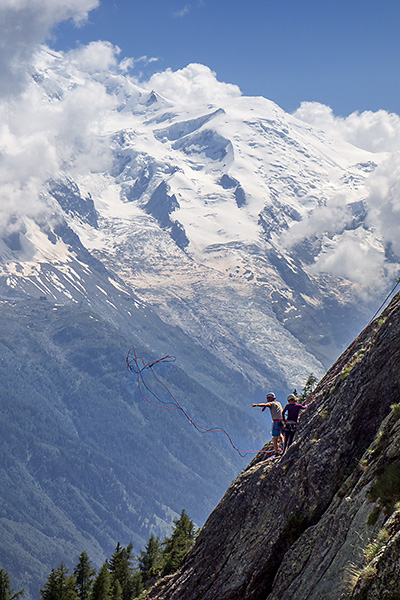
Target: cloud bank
[
  {"x": 349, "y": 255},
  {"x": 384, "y": 203},
  {"x": 25, "y": 24},
  {"x": 373, "y": 131},
  {"x": 40, "y": 135},
  {"x": 43, "y": 136},
  {"x": 193, "y": 84}
]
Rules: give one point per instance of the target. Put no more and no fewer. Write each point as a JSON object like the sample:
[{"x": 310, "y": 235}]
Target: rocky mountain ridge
[{"x": 323, "y": 521}]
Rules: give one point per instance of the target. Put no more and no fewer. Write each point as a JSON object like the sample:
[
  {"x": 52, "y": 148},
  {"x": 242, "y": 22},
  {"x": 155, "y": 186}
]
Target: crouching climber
[
  {"x": 275, "y": 408},
  {"x": 291, "y": 414}
]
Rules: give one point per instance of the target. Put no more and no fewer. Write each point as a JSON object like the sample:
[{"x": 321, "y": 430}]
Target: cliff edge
[{"x": 323, "y": 521}]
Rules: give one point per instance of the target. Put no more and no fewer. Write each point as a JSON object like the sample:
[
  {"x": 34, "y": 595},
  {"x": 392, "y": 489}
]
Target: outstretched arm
[{"x": 263, "y": 405}]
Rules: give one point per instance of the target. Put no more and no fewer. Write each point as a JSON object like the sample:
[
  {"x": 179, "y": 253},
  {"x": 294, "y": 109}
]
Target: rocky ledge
[{"x": 322, "y": 522}]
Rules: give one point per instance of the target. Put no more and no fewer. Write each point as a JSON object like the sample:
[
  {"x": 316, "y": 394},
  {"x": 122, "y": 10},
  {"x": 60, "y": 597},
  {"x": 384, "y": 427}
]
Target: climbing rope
[
  {"x": 137, "y": 365},
  {"x": 391, "y": 293}
]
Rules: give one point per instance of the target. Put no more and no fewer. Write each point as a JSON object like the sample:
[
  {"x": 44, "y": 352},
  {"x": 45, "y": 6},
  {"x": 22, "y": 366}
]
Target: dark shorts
[
  {"x": 277, "y": 427},
  {"x": 290, "y": 426}
]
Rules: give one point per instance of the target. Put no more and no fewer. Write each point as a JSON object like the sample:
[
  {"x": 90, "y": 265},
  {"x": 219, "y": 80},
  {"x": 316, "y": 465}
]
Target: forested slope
[{"x": 85, "y": 461}]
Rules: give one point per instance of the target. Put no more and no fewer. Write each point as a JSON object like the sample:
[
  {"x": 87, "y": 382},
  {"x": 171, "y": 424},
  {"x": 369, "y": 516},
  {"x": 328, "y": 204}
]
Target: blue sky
[{"x": 342, "y": 53}]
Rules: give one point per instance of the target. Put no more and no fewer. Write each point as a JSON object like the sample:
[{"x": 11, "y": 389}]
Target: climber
[
  {"x": 275, "y": 408},
  {"x": 291, "y": 410}
]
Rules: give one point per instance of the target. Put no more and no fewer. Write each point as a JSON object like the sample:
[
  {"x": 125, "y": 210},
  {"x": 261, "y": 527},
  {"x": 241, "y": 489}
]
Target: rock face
[{"x": 321, "y": 522}]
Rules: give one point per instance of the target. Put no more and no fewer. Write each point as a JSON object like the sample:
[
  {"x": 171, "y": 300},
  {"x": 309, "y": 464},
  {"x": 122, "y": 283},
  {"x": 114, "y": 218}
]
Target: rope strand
[{"x": 132, "y": 361}]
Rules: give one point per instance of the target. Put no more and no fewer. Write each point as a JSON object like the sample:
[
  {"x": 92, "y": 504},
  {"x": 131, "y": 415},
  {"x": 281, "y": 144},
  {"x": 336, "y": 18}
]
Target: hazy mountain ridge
[{"x": 85, "y": 461}]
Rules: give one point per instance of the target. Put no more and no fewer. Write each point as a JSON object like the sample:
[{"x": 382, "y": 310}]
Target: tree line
[{"x": 122, "y": 577}]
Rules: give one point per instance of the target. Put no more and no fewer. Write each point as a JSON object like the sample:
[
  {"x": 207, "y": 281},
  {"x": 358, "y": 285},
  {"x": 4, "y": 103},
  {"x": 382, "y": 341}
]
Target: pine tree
[
  {"x": 150, "y": 560},
  {"x": 121, "y": 570},
  {"x": 84, "y": 574},
  {"x": 308, "y": 387},
  {"x": 137, "y": 585},
  {"x": 59, "y": 585},
  {"x": 180, "y": 542},
  {"x": 117, "y": 593},
  {"x": 101, "y": 589},
  {"x": 6, "y": 593}
]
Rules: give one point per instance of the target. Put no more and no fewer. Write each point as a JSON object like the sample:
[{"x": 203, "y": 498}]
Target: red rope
[
  {"x": 137, "y": 365},
  {"x": 133, "y": 363}
]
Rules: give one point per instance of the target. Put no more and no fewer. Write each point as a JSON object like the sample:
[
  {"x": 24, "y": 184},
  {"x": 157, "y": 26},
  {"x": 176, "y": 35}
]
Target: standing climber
[
  {"x": 275, "y": 408},
  {"x": 291, "y": 414}
]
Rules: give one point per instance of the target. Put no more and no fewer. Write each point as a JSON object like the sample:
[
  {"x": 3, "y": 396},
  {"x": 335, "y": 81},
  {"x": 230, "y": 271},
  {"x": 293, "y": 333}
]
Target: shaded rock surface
[{"x": 322, "y": 522}]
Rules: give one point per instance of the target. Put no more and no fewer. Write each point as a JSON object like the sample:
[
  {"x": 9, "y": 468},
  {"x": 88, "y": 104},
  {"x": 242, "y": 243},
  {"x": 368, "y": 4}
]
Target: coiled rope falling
[{"x": 137, "y": 365}]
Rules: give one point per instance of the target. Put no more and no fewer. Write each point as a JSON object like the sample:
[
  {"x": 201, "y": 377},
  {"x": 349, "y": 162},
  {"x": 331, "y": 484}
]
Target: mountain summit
[{"x": 233, "y": 213}]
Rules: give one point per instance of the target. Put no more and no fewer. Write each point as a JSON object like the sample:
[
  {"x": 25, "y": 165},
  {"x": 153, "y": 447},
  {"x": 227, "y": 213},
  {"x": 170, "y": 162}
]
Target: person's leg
[
  {"x": 275, "y": 435},
  {"x": 292, "y": 434},
  {"x": 286, "y": 433},
  {"x": 290, "y": 438}
]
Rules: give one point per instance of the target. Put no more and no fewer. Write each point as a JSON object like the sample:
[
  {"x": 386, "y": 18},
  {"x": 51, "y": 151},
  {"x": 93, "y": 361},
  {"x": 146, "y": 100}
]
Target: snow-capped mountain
[
  {"x": 228, "y": 234},
  {"x": 228, "y": 219}
]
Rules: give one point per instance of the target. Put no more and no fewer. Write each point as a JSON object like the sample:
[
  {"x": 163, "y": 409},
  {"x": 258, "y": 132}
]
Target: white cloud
[
  {"x": 194, "y": 83},
  {"x": 352, "y": 253},
  {"x": 187, "y": 8},
  {"x": 184, "y": 11},
  {"x": 329, "y": 218},
  {"x": 39, "y": 135},
  {"x": 42, "y": 135},
  {"x": 355, "y": 259},
  {"x": 95, "y": 57},
  {"x": 373, "y": 131},
  {"x": 50, "y": 11},
  {"x": 383, "y": 202},
  {"x": 25, "y": 24}
]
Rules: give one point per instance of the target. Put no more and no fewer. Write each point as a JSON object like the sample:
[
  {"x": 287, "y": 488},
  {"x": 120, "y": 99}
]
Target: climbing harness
[
  {"x": 290, "y": 426},
  {"x": 137, "y": 365}
]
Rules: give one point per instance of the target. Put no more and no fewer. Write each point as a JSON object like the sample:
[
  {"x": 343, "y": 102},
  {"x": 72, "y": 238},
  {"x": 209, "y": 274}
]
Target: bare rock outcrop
[{"x": 321, "y": 522}]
